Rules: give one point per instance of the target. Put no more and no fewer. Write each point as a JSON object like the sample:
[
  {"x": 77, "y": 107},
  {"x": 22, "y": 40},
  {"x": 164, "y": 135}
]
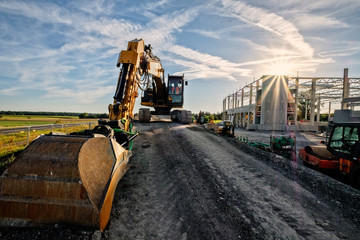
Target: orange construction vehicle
[{"x": 342, "y": 151}]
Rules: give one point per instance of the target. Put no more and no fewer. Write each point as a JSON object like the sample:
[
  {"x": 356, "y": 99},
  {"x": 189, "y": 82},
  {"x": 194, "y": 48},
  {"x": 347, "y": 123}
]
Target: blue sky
[{"x": 61, "y": 55}]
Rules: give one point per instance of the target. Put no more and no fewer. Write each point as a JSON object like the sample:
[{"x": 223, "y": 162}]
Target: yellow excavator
[
  {"x": 163, "y": 97},
  {"x": 71, "y": 179}
]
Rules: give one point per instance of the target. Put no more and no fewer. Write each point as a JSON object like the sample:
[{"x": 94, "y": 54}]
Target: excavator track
[{"x": 62, "y": 179}]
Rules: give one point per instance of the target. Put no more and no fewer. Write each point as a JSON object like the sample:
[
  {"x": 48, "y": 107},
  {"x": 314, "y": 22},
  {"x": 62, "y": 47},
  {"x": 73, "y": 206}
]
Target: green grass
[
  {"x": 17, "y": 123},
  {"x": 28, "y": 120},
  {"x": 13, "y": 143},
  {"x": 6, "y": 160},
  {"x": 25, "y": 117}
]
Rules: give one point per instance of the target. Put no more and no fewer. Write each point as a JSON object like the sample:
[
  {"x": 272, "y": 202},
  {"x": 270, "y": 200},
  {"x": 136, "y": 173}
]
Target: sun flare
[{"x": 281, "y": 68}]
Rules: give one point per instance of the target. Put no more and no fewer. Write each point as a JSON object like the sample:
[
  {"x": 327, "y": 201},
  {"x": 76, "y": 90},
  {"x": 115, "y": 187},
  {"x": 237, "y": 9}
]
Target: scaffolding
[{"x": 245, "y": 106}]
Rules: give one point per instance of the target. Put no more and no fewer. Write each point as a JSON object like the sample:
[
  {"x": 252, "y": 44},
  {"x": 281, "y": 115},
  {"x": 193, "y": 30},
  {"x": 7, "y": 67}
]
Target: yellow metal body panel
[{"x": 129, "y": 57}]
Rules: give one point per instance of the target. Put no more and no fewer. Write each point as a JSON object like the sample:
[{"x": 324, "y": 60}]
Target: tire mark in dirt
[
  {"x": 181, "y": 200},
  {"x": 277, "y": 202},
  {"x": 187, "y": 183}
]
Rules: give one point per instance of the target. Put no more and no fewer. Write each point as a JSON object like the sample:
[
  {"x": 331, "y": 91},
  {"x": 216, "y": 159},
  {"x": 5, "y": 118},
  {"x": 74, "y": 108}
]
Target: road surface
[{"x": 188, "y": 183}]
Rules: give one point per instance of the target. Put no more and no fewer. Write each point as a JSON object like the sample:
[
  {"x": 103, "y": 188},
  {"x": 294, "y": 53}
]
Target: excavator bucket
[{"x": 63, "y": 179}]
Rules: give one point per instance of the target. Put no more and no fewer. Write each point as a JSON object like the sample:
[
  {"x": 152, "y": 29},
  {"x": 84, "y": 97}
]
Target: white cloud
[
  {"x": 94, "y": 8},
  {"x": 70, "y": 49},
  {"x": 270, "y": 22},
  {"x": 209, "y": 34},
  {"x": 12, "y": 91},
  {"x": 86, "y": 40},
  {"x": 83, "y": 94},
  {"x": 340, "y": 52},
  {"x": 308, "y": 19},
  {"x": 44, "y": 12},
  {"x": 203, "y": 65}
]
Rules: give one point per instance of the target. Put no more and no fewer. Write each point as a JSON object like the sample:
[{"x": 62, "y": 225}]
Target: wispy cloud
[
  {"x": 270, "y": 22},
  {"x": 40, "y": 12},
  {"x": 310, "y": 21},
  {"x": 95, "y": 8},
  {"x": 69, "y": 48},
  {"x": 70, "y": 69},
  {"x": 340, "y": 52},
  {"x": 203, "y": 65},
  {"x": 84, "y": 94},
  {"x": 12, "y": 91},
  {"x": 209, "y": 34}
]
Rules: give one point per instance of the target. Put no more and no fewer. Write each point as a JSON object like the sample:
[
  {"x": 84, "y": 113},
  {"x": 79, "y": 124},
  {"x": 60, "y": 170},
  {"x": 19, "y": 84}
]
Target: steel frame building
[{"x": 246, "y": 107}]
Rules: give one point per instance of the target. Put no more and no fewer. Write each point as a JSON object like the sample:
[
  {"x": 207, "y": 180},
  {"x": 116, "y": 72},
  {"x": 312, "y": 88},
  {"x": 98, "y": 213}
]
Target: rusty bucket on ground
[{"x": 63, "y": 179}]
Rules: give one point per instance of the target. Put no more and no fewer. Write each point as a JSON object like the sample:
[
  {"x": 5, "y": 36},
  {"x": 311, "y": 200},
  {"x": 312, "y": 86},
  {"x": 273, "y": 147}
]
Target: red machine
[{"x": 342, "y": 152}]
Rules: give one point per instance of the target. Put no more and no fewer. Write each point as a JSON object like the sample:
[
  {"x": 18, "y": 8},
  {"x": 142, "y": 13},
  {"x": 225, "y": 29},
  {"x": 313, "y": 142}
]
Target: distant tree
[
  {"x": 324, "y": 117},
  {"x": 206, "y": 119},
  {"x": 211, "y": 117},
  {"x": 84, "y": 115},
  {"x": 102, "y": 115},
  {"x": 217, "y": 116}
]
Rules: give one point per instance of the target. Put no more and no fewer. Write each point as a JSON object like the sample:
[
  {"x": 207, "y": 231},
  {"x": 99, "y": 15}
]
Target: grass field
[
  {"x": 11, "y": 144},
  {"x": 29, "y": 120}
]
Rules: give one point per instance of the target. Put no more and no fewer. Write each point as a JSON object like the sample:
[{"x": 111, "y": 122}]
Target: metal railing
[{"x": 30, "y": 129}]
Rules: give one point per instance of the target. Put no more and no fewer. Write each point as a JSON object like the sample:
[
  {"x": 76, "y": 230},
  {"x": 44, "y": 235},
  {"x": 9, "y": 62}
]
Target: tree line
[
  {"x": 93, "y": 115},
  {"x": 207, "y": 116}
]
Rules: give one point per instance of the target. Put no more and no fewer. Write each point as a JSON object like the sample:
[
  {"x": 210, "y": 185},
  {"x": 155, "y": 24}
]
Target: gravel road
[{"x": 188, "y": 183}]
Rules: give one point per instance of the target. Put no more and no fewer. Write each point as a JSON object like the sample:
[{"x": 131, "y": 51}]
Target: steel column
[
  {"x": 318, "y": 111},
  {"x": 242, "y": 97},
  {"x": 296, "y": 99},
  {"x": 346, "y": 89},
  {"x": 312, "y": 110},
  {"x": 251, "y": 94}
]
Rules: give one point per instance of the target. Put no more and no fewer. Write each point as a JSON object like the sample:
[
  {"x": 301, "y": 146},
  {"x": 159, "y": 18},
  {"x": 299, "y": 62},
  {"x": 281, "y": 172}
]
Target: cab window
[
  {"x": 176, "y": 90},
  {"x": 175, "y": 87},
  {"x": 344, "y": 139}
]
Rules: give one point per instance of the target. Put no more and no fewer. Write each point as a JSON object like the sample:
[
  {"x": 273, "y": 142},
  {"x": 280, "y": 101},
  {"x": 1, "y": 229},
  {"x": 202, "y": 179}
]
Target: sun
[{"x": 281, "y": 68}]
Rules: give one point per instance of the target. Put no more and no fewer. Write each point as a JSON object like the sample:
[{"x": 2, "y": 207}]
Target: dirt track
[{"x": 187, "y": 183}]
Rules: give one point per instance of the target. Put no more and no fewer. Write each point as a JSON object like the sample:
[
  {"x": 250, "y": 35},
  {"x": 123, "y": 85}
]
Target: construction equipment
[
  {"x": 163, "y": 97},
  {"x": 342, "y": 152},
  {"x": 279, "y": 144},
  {"x": 72, "y": 179},
  {"x": 224, "y": 127},
  {"x": 284, "y": 146}
]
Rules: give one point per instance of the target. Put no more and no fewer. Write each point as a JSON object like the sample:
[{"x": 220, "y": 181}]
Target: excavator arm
[{"x": 134, "y": 62}]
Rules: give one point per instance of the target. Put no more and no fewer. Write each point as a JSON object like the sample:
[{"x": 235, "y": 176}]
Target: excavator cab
[
  {"x": 163, "y": 98},
  {"x": 175, "y": 90}
]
